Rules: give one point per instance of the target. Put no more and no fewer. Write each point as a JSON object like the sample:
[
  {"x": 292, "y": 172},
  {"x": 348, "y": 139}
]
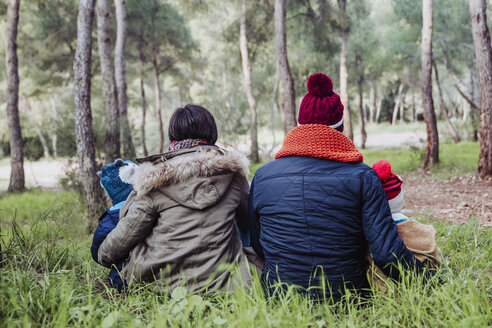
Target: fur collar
[{"x": 181, "y": 165}]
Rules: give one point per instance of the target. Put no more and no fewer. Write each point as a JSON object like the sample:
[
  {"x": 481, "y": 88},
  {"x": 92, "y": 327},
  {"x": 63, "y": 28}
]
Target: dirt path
[
  {"x": 39, "y": 174},
  {"x": 455, "y": 199}
]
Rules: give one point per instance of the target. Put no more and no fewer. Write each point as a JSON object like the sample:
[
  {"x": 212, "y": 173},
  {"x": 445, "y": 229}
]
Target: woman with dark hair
[{"x": 178, "y": 226}]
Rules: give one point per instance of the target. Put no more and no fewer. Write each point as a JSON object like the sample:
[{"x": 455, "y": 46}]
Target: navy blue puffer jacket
[{"x": 314, "y": 218}]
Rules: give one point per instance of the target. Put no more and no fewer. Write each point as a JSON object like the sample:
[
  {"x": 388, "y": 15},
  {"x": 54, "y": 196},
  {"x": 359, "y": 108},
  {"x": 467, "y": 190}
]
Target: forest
[{"x": 88, "y": 81}]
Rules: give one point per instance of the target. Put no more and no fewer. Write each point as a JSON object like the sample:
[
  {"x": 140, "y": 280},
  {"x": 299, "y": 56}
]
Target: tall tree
[
  {"x": 442, "y": 105},
  {"x": 160, "y": 32},
  {"x": 144, "y": 113},
  {"x": 83, "y": 115},
  {"x": 432, "y": 149},
  {"x": 112, "y": 142},
  {"x": 362, "y": 117},
  {"x": 483, "y": 56},
  {"x": 243, "y": 45},
  {"x": 128, "y": 149},
  {"x": 287, "y": 93},
  {"x": 347, "y": 122},
  {"x": 158, "y": 97},
  {"x": 16, "y": 183}
]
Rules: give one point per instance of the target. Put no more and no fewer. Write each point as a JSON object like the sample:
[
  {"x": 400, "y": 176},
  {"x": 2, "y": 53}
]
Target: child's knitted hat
[
  {"x": 391, "y": 182},
  {"x": 321, "y": 105},
  {"x": 117, "y": 179}
]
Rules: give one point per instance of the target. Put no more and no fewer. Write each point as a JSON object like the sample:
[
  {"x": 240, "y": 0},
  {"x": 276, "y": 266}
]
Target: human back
[
  {"x": 178, "y": 225},
  {"x": 319, "y": 228},
  {"x": 317, "y": 209}
]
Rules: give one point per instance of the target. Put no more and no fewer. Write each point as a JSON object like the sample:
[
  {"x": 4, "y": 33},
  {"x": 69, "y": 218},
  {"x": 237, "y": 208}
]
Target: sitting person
[
  {"x": 316, "y": 210},
  {"x": 178, "y": 226},
  {"x": 419, "y": 238},
  {"x": 116, "y": 178}
]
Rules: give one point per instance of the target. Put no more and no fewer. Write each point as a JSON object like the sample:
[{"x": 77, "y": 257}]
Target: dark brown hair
[{"x": 193, "y": 122}]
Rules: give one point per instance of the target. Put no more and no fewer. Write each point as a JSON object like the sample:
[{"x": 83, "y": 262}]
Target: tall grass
[
  {"x": 66, "y": 210},
  {"x": 46, "y": 280}
]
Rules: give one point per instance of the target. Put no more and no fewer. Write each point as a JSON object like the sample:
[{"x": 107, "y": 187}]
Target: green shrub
[{"x": 33, "y": 148}]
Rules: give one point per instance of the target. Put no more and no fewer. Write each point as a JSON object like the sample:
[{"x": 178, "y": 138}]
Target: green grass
[
  {"x": 48, "y": 281},
  {"x": 48, "y": 278},
  {"x": 66, "y": 209},
  {"x": 455, "y": 159}
]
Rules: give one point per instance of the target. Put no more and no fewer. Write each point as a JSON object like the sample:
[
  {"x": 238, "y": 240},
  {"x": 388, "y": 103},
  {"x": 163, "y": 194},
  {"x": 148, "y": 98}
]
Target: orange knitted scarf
[{"x": 321, "y": 141}]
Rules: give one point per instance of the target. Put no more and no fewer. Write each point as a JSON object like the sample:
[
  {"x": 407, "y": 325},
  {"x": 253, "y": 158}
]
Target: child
[
  {"x": 116, "y": 178},
  {"x": 419, "y": 238}
]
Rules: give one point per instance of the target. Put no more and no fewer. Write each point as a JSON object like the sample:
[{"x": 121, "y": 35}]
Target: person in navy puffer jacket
[
  {"x": 116, "y": 178},
  {"x": 316, "y": 210}
]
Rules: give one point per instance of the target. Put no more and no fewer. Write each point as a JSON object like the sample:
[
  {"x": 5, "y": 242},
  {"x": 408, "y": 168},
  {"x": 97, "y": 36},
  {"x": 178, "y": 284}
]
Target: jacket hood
[{"x": 208, "y": 171}]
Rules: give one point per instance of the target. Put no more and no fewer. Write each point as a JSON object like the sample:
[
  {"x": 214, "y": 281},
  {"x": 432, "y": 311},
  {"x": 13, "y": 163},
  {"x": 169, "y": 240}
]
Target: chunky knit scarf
[
  {"x": 187, "y": 143},
  {"x": 321, "y": 141}
]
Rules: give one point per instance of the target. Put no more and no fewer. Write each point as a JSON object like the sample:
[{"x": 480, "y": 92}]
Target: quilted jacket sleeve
[
  {"x": 107, "y": 224},
  {"x": 254, "y": 222},
  {"x": 137, "y": 218},
  {"x": 385, "y": 245}
]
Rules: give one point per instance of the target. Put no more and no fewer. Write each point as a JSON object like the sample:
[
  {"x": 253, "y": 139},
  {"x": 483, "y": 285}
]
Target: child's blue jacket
[{"x": 107, "y": 222}]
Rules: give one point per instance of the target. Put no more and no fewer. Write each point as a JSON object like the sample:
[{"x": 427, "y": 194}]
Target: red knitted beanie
[
  {"x": 391, "y": 182},
  {"x": 321, "y": 105}
]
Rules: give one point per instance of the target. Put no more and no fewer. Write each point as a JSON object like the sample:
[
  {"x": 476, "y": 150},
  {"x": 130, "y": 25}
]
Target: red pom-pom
[
  {"x": 320, "y": 85},
  {"x": 383, "y": 169}
]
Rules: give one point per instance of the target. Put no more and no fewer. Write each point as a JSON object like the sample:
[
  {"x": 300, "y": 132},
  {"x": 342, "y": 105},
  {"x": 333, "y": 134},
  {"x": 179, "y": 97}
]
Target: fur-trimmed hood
[{"x": 178, "y": 166}]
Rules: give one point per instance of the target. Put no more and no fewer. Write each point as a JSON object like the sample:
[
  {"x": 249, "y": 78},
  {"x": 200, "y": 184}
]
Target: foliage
[
  {"x": 49, "y": 281},
  {"x": 197, "y": 43},
  {"x": 71, "y": 180},
  {"x": 33, "y": 149}
]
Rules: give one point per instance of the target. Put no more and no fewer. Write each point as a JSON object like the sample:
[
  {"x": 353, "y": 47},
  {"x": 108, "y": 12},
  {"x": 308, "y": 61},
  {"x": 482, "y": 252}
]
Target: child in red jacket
[{"x": 418, "y": 238}]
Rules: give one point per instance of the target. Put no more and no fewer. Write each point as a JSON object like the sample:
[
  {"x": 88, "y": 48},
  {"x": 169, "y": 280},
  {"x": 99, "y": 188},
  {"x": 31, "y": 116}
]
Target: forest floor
[
  {"x": 39, "y": 174},
  {"x": 454, "y": 200}
]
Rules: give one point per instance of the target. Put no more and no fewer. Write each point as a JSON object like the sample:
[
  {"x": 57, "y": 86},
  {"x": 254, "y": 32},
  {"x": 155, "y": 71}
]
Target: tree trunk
[
  {"x": 142, "y": 89},
  {"x": 432, "y": 150},
  {"x": 128, "y": 149},
  {"x": 372, "y": 102},
  {"x": 17, "y": 182},
  {"x": 112, "y": 142},
  {"x": 287, "y": 93},
  {"x": 226, "y": 89},
  {"x": 414, "y": 109},
  {"x": 243, "y": 45},
  {"x": 378, "y": 109},
  {"x": 473, "y": 113},
  {"x": 347, "y": 122},
  {"x": 54, "y": 137},
  {"x": 157, "y": 87},
  {"x": 26, "y": 104},
  {"x": 144, "y": 110},
  {"x": 397, "y": 104},
  {"x": 444, "y": 110},
  {"x": 402, "y": 108},
  {"x": 483, "y": 56},
  {"x": 361, "y": 114},
  {"x": 274, "y": 107},
  {"x": 83, "y": 116}
]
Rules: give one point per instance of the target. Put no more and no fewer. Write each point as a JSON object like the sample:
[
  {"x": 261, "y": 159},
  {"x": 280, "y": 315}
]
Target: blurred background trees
[{"x": 174, "y": 52}]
